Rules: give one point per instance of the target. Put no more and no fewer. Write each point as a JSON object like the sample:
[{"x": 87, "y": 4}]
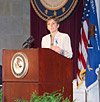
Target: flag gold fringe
[{"x": 82, "y": 72}]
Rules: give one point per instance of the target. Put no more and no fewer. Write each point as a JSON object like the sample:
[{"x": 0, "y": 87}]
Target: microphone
[
  {"x": 56, "y": 42},
  {"x": 27, "y": 43},
  {"x": 51, "y": 40}
]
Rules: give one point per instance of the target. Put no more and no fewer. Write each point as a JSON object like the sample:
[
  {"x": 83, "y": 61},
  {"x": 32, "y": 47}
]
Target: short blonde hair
[{"x": 54, "y": 18}]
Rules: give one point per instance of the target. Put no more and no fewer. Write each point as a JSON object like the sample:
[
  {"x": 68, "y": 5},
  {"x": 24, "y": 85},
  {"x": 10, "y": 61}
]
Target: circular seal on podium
[
  {"x": 62, "y": 9},
  {"x": 19, "y": 65}
]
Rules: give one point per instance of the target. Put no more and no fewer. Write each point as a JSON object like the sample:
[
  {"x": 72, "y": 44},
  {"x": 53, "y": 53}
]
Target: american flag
[{"x": 82, "y": 57}]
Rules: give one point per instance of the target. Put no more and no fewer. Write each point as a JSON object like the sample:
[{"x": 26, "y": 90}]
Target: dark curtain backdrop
[{"x": 70, "y": 26}]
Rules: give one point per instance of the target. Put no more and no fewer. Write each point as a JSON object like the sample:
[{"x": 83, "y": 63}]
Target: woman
[{"x": 57, "y": 41}]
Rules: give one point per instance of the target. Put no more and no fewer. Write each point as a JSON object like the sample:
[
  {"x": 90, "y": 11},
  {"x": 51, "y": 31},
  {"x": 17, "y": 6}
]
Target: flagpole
[{"x": 85, "y": 96}]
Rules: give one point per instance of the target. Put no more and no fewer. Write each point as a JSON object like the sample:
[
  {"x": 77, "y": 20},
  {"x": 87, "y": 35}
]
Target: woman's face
[{"x": 52, "y": 26}]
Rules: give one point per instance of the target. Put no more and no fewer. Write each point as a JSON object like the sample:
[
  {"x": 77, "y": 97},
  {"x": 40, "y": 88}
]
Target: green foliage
[
  {"x": 56, "y": 96},
  {"x": 0, "y": 95},
  {"x": 19, "y": 100}
]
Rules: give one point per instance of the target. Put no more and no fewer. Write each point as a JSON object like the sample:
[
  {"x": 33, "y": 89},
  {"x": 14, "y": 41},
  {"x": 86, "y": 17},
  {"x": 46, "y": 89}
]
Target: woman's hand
[{"x": 57, "y": 49}]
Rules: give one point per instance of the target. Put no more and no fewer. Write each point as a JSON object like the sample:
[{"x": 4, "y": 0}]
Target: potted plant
[
  {"x": 0, "y": 95},
  {"x": 56, "y": 96}
]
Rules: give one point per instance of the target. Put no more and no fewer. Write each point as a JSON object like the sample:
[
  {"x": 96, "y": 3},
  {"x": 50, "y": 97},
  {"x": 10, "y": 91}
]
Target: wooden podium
[{"x": 48, "y": 71}]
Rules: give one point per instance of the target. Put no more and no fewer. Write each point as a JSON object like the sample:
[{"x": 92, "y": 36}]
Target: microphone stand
[{"x": 28, "y": 42}]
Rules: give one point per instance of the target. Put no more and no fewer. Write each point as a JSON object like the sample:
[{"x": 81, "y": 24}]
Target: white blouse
[{"x": 62, "y": 40}]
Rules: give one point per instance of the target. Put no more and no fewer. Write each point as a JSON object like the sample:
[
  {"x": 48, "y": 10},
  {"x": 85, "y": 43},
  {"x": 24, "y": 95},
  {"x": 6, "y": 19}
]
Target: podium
[{"x": 47, "y": 71}]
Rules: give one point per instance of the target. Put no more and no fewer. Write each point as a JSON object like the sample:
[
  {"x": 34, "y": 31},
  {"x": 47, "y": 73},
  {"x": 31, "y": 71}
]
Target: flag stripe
[{"x": 82, "y": 57}]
